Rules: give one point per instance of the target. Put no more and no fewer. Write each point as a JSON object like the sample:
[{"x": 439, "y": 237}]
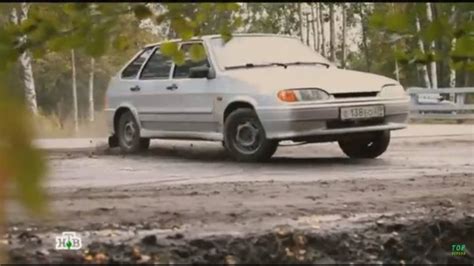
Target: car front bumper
[{"x": 296, "y": 121}]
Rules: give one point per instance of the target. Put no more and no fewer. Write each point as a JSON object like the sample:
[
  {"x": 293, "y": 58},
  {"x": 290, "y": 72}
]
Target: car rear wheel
[
  {"x": 370, "y": 147},
  {"x": 129, "y": 135},
  {"x": 245, "y": 138}
]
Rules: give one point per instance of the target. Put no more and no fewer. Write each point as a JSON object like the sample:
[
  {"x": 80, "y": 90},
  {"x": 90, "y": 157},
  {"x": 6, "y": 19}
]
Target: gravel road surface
[{"x": 193, "y": 188}]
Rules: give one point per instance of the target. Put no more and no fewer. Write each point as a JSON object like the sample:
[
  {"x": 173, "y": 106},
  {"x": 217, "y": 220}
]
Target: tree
[
  {"x": 277, "y": 18},
  {"x": 332, "y": 33},
  {"x": 314, "y": 28},
  {"x": 404, "y": 30},
  {"x": 424, "y": 68},
  {"x": 300, "y": 18},
  {"x": 343, "y": 41},
  {"x": 91, "y": 90},
  {"x": 321, "y": 23},
  {"x": 363, "y": 12},
  {"x": 307, "y": 27},
  {"x": 74, "y": 91},
  {"x": 18, "y": 17},
  {"x": 434, "y": 75}
]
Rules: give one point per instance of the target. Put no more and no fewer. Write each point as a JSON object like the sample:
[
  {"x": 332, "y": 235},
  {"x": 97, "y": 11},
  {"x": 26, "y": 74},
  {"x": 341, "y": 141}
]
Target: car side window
[
  {"x": 131, "y": 71},
  {"x": 183, "y": 70},
  {"x": 157, "y": 67}
]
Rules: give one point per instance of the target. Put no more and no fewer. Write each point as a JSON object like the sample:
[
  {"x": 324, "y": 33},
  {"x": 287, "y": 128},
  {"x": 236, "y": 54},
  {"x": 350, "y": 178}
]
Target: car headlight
[
  {"x": 392, "y": 91},
  {"x": 297, "y": 95}
]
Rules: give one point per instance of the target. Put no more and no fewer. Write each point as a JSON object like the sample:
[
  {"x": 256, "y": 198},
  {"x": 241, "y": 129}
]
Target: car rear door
[{"x": 124, "y": 88}]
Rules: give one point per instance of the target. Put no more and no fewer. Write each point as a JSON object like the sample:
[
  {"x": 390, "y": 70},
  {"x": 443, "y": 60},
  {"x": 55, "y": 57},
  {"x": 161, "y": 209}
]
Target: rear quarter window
[{"x": 131, "y": 71}]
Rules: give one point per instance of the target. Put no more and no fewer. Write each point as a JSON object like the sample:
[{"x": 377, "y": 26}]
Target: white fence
[{"x": 443, "y": 103}]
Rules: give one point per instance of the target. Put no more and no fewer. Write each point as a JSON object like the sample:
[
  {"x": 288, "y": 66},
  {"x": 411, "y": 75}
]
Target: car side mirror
[{"x": 202, "y": 72}]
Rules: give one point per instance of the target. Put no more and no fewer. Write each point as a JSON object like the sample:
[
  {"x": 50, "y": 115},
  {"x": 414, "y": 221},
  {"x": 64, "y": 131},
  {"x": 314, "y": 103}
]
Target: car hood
[{"x": 332, "y": 80}]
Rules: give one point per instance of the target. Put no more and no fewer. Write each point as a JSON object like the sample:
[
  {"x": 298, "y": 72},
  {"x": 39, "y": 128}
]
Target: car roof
[{"x": 213, "y": 36}]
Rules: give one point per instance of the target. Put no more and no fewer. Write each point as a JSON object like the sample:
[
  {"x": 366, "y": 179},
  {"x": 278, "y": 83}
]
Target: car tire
[
  {"x": 368, "y": 148},
  {"x": 113, "y": 141},
  {"x": 245, "y": 138},
  {"x": 128, "y": 135}
]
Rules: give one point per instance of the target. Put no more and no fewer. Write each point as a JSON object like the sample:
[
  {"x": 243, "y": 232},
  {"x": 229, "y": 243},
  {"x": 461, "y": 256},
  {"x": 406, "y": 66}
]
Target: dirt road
[{"x": 194, "y": 189}]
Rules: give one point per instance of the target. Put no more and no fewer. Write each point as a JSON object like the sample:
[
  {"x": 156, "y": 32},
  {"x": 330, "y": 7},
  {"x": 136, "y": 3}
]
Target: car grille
[
  {"x": 335, "y": 124},
  {"x": 355, "y": 94}
]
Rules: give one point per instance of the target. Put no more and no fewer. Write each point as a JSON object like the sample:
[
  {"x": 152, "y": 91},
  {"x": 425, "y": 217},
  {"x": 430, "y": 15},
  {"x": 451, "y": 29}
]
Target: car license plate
[{"x": 362, "y": 112}]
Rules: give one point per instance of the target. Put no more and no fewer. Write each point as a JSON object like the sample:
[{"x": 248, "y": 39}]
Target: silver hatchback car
[{"x": 250, "y": 93}]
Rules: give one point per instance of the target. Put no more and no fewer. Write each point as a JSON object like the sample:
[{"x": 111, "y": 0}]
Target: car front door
[{"x": 192, "y": 99}]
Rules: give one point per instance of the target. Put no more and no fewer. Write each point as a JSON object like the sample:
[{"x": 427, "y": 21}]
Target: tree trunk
[
  {"x": 343, "y": 44},
  {"x": 424, "y": 68},
  {"x": 307, "y": 28},
  {"x": 321, "y": 23},
  {"x": 452, "y": 71},
  {"x": 466, "y": 74},
  {"x": 91, "y": 91},
  {"x": 300, "y": 16},
  {"x": 434, "y": 75},
  {"x": 313, "y": 27},
  {"x": 332, "y": 33},
  {"x": 365, "y": 44},
  {"x": 74, "y": 92},
  {"x": 25, "y": 62},
  {"x": 397, "y": 71}
]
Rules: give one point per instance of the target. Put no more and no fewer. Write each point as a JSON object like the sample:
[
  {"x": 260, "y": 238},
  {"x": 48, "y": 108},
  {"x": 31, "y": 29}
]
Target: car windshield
[{"x": 260, "y": 50}]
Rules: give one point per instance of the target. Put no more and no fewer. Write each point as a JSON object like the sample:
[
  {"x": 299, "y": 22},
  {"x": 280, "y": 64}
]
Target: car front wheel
[
  {"x": 245, "y": 139},
  {"x": 129, "y": 135},
  {"x": 370, "y": 147}
]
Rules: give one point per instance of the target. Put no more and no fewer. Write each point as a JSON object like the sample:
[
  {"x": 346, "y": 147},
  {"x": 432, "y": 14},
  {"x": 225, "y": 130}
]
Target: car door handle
[
  {"x": 172, "y": 87},
  {"x": 135, "y": 88}
]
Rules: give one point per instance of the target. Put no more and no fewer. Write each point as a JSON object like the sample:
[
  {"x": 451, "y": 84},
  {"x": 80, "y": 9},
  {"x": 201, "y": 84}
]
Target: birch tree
[
  {"x": 91, "y": 90},
  {"x": 365, "y": 35},
  {"x": 307, "y": 28},
  {"x": 300, "y": 17},
  {"x": 452, "y": 71},
  {"x": 74, "y": 91},
  {"x": 343, "y": 41},
  {"x": 313, "y": 27},
  {"x": 25, "y": 60},
  {"x": 321, "y": 23},
  {"x": 332, "y": 33},
  {"x": 424, "y": 68},
  {"x": 434, "y": 75}
]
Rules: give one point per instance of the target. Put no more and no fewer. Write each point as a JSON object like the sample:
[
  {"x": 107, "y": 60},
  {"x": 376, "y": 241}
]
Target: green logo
[
  {"x": 68, "y": 241},
  {"x": 69, "y": 244},
  {"x": 458, "y": 250}
]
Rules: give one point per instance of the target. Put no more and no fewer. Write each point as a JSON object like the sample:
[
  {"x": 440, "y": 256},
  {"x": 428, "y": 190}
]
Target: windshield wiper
[
  {"x": 250, "y": 65},
  {"x": 308, "y": 63}
]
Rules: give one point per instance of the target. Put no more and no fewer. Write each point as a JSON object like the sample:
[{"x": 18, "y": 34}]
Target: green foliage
[
  {"x": 170, "y": 49},
  {"x": 142, "y": 12},
  {"x": 197, "y": 53},
  {"x": 18, "y": 159}
]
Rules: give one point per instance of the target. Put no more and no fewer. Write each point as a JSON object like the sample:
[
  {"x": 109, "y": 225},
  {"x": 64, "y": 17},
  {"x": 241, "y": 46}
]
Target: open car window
[{"x": 183, "y": 70}]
